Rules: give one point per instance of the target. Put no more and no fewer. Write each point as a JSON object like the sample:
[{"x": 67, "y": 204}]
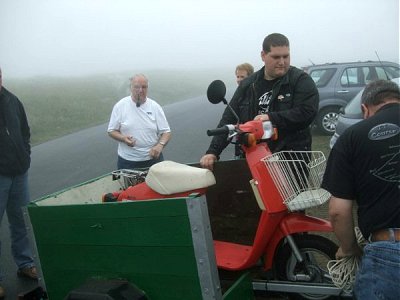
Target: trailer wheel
[{"x": 316, "y": 251}]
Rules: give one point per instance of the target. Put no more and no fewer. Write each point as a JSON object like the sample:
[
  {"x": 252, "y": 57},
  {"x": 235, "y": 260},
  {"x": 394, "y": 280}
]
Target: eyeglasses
[{"x": 138, "y": 87}]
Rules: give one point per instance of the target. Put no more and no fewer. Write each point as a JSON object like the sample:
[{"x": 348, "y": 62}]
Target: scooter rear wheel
[{"x": 316, "y": 251}]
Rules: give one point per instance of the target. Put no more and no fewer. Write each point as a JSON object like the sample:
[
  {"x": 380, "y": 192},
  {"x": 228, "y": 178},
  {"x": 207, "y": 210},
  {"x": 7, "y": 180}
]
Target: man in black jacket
[
  {"x": 15, "y": 160},
  {"x": 278, "y": 92}
]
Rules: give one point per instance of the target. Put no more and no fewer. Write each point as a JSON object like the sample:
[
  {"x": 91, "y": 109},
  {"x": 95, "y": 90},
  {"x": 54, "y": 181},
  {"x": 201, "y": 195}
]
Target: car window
[
  {"x": 321, "y": 77},
  {"x": 369, "y": 74},
  {"x": 387, "y": 72},
  {"x": 352, "y": 77},
  {"x": 382, "y": 73}
]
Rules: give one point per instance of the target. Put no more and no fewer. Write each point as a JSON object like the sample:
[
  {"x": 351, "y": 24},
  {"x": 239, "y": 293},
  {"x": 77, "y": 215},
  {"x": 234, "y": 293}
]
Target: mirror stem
[{"x": 232, "y": 111}]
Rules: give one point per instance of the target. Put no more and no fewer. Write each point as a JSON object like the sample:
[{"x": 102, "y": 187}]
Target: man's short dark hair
[
  {"x": 378, "y": 91},
  {"x": 274, "y": 40}
]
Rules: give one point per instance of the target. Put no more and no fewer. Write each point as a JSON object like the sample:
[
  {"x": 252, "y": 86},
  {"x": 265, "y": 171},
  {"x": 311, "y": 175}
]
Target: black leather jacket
[
  {"x": 294, "y": 106},
  {"x": 15, "y": 147}
]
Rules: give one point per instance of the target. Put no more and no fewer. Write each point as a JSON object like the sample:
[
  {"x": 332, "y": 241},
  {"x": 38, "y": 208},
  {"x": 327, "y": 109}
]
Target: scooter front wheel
[{"x": 316, "y": 252}]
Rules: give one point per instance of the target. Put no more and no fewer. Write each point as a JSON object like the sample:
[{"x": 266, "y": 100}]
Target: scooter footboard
[{"x": 291, "y": 224}]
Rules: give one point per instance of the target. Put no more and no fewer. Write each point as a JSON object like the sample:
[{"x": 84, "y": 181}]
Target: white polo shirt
[{"x": 144, "y": 123}]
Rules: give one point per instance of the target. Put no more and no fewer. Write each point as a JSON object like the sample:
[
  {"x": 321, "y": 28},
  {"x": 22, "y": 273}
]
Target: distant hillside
[{"x": 60, "y": 105}]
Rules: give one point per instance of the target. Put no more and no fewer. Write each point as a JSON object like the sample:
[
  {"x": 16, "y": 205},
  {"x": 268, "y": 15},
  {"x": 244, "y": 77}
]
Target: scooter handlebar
[
  {"x": 218, "y": 131},
  {"x": 226, "y": 129}
]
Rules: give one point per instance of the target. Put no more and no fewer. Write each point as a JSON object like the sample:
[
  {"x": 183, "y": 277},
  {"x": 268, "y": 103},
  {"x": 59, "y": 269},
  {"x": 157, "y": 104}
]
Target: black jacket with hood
[
  {"x": 293, "y": 108},
  {"x": 15, "y": 146}
]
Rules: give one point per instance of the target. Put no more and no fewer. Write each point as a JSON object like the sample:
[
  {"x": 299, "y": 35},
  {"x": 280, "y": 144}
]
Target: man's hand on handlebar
[
  {"x": 207, "y": 161},
  {"x": 261, "y": 118}
]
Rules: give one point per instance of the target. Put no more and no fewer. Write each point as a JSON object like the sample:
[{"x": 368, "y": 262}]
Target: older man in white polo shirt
[{"x": 139, "y": 125}]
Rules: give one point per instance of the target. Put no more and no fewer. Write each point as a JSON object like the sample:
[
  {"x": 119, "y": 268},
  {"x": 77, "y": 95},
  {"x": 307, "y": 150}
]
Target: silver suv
[{"x": 338, "y": 83}]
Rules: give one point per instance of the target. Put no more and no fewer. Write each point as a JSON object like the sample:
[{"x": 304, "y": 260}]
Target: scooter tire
[{"x": 308, "y": 244}]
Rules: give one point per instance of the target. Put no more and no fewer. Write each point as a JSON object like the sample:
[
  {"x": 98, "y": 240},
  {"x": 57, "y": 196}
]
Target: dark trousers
[{"x": 145, "y": 164}]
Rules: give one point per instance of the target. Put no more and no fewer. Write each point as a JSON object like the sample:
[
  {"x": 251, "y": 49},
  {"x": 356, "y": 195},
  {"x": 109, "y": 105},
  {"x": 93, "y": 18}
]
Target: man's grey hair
[
  {"x": 138, "y": 75},
  {"x": 378, "y": 91}
]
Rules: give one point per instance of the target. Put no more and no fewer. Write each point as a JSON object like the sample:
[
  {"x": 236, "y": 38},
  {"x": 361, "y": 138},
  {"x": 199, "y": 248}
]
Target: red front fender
[
  {"x": 290, "y": 224},
  {"x": 298, "y": 222}
]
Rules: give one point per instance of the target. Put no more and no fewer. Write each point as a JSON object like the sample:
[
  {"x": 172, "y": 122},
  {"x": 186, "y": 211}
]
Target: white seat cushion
[{"x": 168, "y": 177}]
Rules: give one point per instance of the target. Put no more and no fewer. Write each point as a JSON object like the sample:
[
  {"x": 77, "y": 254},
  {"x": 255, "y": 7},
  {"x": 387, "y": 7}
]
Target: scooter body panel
[
  {"x": 233, "y": 256},
  {"x": 268, "y": 192}
]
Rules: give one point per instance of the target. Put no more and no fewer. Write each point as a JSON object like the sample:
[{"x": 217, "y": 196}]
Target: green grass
[{"x": 321, "y": 143}]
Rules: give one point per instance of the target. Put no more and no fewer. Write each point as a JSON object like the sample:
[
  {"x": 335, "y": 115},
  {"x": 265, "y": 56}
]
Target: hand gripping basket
[{"x": 297, "y": 176}]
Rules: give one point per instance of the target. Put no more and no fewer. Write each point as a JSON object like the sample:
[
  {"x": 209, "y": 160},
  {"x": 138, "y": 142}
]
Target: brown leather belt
[{"x": 389, "y": 234}]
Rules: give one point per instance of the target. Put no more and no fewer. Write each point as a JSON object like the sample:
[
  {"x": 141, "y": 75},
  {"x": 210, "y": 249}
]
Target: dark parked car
[
  {"x": 351, "y": 115},
  {"x": 338, "y": 83}
]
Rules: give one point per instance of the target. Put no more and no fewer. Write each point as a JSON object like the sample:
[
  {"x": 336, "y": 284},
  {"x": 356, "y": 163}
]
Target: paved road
[{"x": 75, "y": 158}]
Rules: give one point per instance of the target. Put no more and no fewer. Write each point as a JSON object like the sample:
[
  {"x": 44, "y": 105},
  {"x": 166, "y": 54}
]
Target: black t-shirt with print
[
  {"x": 364, "y": 165},
  {"x": 264, "y": 95}
]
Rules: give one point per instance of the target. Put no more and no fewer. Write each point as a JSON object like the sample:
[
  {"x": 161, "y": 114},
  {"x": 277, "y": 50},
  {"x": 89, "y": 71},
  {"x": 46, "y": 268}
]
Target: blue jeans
[
  {"x": 379, "y": 274},
  {"x": 14, "y": 195},
  {"x": 128, "y": 164}
]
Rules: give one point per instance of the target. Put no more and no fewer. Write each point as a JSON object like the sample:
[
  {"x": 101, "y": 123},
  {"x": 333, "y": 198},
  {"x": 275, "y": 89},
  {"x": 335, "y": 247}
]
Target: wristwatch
[{"x": 161, "y": 143}]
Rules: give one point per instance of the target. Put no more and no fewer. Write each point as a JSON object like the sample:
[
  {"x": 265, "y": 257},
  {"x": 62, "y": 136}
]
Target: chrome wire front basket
[{"x": 298, "y": 176}]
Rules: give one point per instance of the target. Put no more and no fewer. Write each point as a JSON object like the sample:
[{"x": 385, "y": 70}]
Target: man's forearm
[
  {"x": 164, "y": 138},
  {"x": 116, "y": 135},
  {"x": 344, "y": 231},
  {"x": 341, "y": 216}
]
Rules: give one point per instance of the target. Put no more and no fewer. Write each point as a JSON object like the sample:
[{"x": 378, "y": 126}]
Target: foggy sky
[{"x": 78, "y": 37}]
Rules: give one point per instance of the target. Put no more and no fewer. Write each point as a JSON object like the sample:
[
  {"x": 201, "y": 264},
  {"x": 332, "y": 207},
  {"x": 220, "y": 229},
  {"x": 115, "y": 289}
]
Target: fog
[{"x": 79, "y": 37}]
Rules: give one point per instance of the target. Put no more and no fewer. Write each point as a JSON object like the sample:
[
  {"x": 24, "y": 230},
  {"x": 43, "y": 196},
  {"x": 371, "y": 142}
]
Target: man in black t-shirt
[{"x": 364, "y": 166}]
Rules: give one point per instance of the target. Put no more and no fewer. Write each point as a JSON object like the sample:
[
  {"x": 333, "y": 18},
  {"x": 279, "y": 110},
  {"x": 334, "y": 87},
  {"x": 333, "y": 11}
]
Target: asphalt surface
[{"x": 79, "y": 157}]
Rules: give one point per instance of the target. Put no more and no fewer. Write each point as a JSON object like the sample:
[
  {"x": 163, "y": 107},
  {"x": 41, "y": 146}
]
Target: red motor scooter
[{"x": 283, "y": 183}]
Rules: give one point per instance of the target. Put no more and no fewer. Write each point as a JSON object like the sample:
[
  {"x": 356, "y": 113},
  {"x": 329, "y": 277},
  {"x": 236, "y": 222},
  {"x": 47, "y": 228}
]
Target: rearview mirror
[{"x": 216, "y": 92}]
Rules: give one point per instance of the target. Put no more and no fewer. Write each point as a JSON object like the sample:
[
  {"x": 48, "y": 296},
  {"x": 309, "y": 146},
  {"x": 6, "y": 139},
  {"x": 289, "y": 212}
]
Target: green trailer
[{"x": 163, "y": 247}]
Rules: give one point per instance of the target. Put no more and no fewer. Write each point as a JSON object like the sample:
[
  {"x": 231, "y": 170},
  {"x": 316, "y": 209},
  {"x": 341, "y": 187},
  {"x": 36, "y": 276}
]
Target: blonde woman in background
[{"x": 242, "y": 71}]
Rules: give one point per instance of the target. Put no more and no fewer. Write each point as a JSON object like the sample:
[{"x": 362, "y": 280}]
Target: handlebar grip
[{"x": 218, "y": 131}]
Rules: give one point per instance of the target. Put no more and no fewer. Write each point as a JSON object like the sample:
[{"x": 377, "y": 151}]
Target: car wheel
[{"x": 327, "y": 120}]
